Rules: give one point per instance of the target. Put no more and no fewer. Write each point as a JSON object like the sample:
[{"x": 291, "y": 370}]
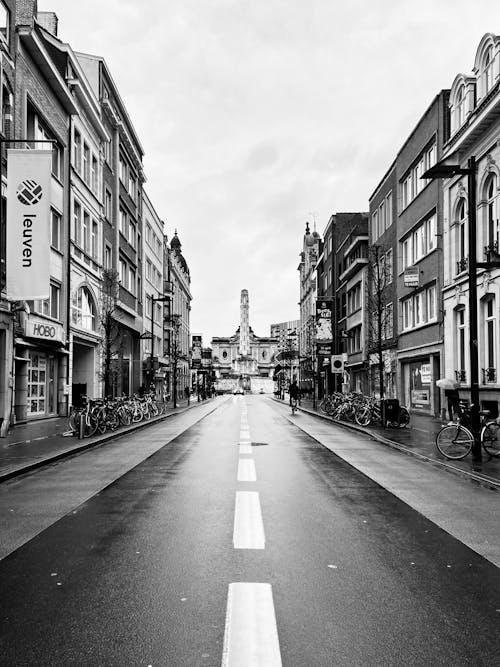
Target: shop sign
[
  {"x": 324, "y": 332},
  {"x": 36, "y": 327},
  {"x": 411, "y": 277},
  {"x": 425, "y": 370}
]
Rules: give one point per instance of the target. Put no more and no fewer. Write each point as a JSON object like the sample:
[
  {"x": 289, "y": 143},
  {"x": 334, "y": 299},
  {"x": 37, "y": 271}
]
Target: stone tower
[{"x": 244, "y": 324}]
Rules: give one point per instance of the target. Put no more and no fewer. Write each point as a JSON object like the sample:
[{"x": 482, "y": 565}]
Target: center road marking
[
  {"x": 246, "y": 470},
  {"x": 251, "y": 635},
  {"x": 245, "y": 448},
  {"x": 248, "y": 530}
]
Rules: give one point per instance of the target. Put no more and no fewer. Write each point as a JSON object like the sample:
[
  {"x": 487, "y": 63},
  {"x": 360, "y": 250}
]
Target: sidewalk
[
  {"x": 32, "y": 445},
  {"x": 418, "y": 440}
]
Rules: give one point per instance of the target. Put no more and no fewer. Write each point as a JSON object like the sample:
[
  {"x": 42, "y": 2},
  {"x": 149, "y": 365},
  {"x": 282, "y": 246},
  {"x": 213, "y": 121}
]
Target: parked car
[
  {"x": 238, "y": 390},
  {"x": 261, "y": 391}
]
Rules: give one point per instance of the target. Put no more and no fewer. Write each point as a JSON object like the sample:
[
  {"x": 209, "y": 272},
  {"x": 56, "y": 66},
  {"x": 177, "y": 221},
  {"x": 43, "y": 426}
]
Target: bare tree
[
  {"x": 380, "y": 306},
  {"x": 111, "y": 343}
]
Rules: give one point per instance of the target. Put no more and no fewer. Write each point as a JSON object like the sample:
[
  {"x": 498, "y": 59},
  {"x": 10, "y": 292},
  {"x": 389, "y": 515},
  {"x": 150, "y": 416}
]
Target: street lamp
[
  {"x": 153, "y": 301},
  {"x": 443, "y": 170},
  {"x": 174, "y": 353}
]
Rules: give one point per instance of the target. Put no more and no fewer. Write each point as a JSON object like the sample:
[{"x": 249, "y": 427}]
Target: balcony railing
[
  {"x": 461, "y": 376},
  {"x": 462, "y": 264},
  {"x": 491, "y": 251},
  {"x": 489, "y": 375}
]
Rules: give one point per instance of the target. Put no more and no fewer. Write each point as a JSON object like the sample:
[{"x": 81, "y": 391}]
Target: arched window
[
  {"x": 461, "y": 237},
  {"x": 460, "y": 107},
  {"x": 487, "y": 71},
  {"x": 83, "y": 310},
  {"x": 491, "y": 219}
]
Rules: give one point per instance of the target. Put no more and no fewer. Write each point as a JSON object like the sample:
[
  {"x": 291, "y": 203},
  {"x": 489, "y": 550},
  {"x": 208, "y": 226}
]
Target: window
[
  {"x": 55, "y": 295},
  {"x": 94, "y": 245},
  {"x": 419, "y": 309},
  {"x": 107, "y": 151},
  {"x": 123, "y": 274},
  {"x": 460, "y": 339},
  {"x": 132, "y": 186},
  {"x": 55, "y": 229},
  {"x": 419, "y": 243},
  {"x": 389, "y": 321},
  {"x": 148, "y": 233},
  {"x": 388, "y": 267},
  {"x": 461, "y": 237},
  {"x": 413, "y": 184},
  {"x": 487, "y": 71},
  {"x": 459, "y": 108},
  {"x": 4, "y": 22},
  {"x": 107, "y": 205},
  {"x": 77, "y": 151},
  {"x": 77, "y": 223},
  {"x": 94, "y": 174},
  {"x": 354, "y": 299},
  {"x": 489, "y": 332},
  {"x": 131, "y": 233},
  {"x": 37, "y": 129},
  {"x": 86, "y": 231},
  {"x": 148, "y": 269},
  {"x": 123, "y": 223},
  {"x": 131, "y": 282},
  {"x": 375, "y": 230},
  {"x": 123, "y": 172},
  {"x": 86, "y": 163},
  {"x": 491, "y": 218},
  {"x": 83, "y": 310},
  {"x": 107, "y": 257}
]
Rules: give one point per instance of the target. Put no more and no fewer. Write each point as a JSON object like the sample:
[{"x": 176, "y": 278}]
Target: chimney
[{"x": 49, "y": 21}]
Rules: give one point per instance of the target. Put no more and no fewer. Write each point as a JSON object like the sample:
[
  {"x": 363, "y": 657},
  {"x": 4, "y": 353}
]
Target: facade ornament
[
  {"x": 462, "y": 192},
  {"x": 486, "y": 280}
]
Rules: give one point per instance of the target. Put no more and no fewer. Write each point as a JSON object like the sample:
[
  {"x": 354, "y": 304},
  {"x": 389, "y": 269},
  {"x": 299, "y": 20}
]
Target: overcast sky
[{"x": 258, "y": 116}]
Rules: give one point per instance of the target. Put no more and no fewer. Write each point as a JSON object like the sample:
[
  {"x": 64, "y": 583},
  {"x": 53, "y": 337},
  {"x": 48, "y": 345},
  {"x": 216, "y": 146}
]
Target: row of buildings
[
  {"x": 115, "y": 309},
  {"x": 409, "y": 280}
]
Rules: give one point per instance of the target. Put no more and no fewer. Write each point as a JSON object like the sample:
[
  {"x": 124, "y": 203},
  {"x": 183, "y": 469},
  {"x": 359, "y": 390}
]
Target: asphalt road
[{"x": 242, "y": 541}]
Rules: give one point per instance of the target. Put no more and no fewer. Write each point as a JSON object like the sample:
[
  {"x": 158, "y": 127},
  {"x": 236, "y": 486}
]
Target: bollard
[{"x": 81, "y": 429}]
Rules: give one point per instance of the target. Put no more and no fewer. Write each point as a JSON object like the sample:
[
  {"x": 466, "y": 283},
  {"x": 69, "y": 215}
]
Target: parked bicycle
[{"x": 456, "y": 439}]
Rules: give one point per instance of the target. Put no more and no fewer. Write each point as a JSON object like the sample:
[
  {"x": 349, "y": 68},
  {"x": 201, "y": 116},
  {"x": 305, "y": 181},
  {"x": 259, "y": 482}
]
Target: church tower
[{"x": 244, "y": 324}]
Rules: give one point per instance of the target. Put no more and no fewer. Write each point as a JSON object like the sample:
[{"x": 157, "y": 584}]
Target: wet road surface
[{"x": 244, "y": 541}]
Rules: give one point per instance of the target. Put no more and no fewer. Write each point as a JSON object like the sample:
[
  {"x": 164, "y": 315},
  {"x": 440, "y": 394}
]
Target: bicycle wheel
[
  {"x": 454, "y": 441},
  {"x": 73, "y": 419},
  {"x": 490, "y": 438},
  {"x": 90, "y": 425},
  {"x": 363, "y": 416}
]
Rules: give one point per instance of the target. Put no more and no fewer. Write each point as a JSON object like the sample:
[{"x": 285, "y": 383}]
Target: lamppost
[
  {"x": 153, "y": 301},
  {"x": 444, "y": 170},
  {"x": 174, "y": 353}
]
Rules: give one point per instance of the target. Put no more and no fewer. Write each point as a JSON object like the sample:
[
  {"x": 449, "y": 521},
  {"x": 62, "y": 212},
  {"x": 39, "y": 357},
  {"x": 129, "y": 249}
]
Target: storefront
[
  {"x": 40, "y": 388},
  {"x": 419, "y": 389}
]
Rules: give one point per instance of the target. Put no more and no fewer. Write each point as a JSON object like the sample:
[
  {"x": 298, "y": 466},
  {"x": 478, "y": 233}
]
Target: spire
[{"x": 244, "y": 324}]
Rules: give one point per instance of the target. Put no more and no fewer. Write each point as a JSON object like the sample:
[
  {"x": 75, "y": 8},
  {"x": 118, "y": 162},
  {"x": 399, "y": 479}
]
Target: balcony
[
  {"x": 461, "y": 376},
  {"x": 356, "y": 265},
  {"x": 489, "y": 375}
]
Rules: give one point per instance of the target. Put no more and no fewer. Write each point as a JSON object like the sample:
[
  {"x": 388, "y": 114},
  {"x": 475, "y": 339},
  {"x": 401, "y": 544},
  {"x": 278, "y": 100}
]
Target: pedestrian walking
[{"x": 453, "y": 398}]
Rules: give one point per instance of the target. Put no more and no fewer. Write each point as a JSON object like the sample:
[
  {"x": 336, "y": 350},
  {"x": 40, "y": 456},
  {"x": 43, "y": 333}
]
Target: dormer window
[
  {"x": 487, "y": 71},
  {"x": 460, "y": 107}
]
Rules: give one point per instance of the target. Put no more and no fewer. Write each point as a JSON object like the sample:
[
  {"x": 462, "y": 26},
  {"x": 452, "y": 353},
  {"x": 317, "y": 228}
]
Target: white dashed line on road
[
  {"x": 251, "y": 635},
  {"x": 246, "y": 470},
  {"x": 248, "y": 531}
]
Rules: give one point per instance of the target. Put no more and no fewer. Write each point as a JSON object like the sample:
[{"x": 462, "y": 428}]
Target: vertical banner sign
[
  {"x": 28, "y": 212},
  {"x": 196, "y": 351},
  {"x": 324, "y": 331}
]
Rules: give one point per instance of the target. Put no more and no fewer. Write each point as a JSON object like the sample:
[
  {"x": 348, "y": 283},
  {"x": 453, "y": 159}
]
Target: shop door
[{"x": 42, "y": 385}]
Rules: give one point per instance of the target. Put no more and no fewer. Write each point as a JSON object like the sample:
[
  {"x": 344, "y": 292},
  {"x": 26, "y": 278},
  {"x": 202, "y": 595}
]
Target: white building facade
[{"x": 475, "y": 126}]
